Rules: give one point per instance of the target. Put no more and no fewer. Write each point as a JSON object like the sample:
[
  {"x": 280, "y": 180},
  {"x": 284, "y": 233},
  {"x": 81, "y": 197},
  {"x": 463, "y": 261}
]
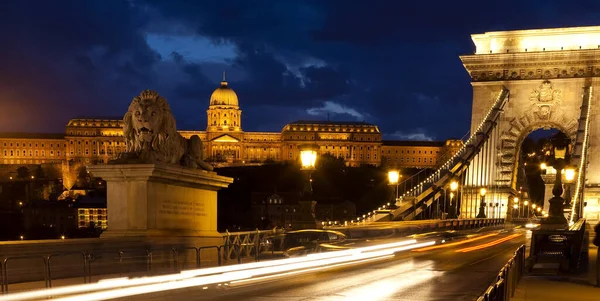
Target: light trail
[
  {"x": 240, "y": 275},
  {"x": 489, "y": 244},
  {"x": 454, "y": 243},
  {"x": 216, "y": 273}
]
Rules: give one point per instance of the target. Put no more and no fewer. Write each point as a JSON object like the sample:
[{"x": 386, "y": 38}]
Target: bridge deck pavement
[{"x": 580, "y": 287}]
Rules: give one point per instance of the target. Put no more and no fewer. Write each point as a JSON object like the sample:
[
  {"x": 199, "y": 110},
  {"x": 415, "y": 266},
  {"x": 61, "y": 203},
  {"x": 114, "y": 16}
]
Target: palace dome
[{"x": 224, "y": 96}]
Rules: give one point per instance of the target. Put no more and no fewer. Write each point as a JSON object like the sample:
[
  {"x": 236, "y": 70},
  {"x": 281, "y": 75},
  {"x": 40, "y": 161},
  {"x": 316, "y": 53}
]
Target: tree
[
  {"x": 39, "y": 172},
  {"x": 23, "y": 172}
]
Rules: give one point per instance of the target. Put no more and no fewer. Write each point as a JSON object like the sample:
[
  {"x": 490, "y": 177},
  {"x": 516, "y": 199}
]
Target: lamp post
[
  {"x": 308, "y": 159},
  {"x": 394, "y": 180},
  {"x": 516, "y": 206},
  {"x": 559, "y": 157},
  {"x": 569, "y": 177},
  {"x": 481, "y": 213},
  {"x": 453, "y": 206},
  {"x": 496, "y": 209}
]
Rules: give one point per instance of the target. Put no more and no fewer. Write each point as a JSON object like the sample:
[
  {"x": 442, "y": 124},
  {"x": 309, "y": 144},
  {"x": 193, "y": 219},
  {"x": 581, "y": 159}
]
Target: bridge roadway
[{"x": 454, "y": 272}]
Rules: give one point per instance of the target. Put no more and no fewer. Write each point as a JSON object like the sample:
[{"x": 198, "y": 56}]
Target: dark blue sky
[{"x": 392, "y": 63}]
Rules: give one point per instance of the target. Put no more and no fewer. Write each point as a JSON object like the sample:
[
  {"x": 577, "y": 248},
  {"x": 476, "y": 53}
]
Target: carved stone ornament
[
  {"x": 544, "y": 98},
  {"x": 151, "y": 135}
]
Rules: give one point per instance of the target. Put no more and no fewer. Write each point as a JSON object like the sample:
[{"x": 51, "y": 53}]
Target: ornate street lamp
[
  {"x": 308, "y": 159},
  {"x": 453, "y": 185},
  {"x": 394, "y": 180},
  {"x": 481, "y": 213},
  {"x": 559, "y": 158},
  {"x": 569, "y": 177},
  {"x": 452, "y": 211}
]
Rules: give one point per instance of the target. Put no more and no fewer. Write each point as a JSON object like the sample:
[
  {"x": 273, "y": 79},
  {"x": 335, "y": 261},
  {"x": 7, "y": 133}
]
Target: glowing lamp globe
[
  {"x": 308, "y": 158},
  {"x": 569, "y": 174},
  {"x": 453, "y": 185},
  {"x": 482, "y": 191},
  {"x": 393, "y": 177}
]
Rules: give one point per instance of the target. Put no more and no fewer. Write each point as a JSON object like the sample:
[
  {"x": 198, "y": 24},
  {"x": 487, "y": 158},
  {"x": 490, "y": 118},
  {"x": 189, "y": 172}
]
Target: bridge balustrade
[
  {"x": 504, "y": 286},
  {"x": 94, "y": 264},
  {"x": 564, "y": 248}
]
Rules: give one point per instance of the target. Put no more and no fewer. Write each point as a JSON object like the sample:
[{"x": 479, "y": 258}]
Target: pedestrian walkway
[{"x": 561, "y": 288}]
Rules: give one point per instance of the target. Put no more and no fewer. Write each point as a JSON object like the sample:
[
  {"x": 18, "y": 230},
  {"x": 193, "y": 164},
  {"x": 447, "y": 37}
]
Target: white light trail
[{"x": 122, "y": 287}]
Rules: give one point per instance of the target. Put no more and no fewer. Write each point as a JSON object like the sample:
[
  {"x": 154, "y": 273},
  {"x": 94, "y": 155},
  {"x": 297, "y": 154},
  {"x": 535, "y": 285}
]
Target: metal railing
[
  {"x": 138, "y": 261},
  {"x": 503, "y": 287},
  {"x": 246, "y": 244},
  {"x": 561, "y": 246}
]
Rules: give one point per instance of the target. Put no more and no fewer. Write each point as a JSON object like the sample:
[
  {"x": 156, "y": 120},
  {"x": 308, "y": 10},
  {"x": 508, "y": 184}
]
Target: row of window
[
  {"x": 355, "y": 138},
  {"x": 112, "y": 123},
  {"x": 408, "y": 152},
  {"x": 29, "y": 161},
  {"x": 101, "y": 142},
  {"x": 103, "y": 151},
  {"x": 346, "y": 156},
  {"x": 330, "y": 129},
  {"x": 23, "y": 153},
  {"x": 93, "y": 133},
  {"x": 23, "y": 144},
  {"x": 415, "y": 160}
]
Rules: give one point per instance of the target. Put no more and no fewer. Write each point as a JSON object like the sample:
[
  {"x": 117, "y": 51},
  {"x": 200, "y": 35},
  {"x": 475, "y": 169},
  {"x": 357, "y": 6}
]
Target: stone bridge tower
[{"x": 546, "y": 72}]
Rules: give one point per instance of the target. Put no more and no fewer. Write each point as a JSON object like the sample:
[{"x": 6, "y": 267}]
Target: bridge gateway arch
[{"x": 553, "y": 81}]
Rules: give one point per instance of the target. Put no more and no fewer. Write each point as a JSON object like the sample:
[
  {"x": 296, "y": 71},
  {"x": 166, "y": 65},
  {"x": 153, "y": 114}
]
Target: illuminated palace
[{"x": 98, "y": 140}]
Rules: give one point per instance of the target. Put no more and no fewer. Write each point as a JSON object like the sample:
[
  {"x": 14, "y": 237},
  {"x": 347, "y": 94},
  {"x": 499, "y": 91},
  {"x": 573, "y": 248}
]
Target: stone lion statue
[{"x": 151, "y": 135}]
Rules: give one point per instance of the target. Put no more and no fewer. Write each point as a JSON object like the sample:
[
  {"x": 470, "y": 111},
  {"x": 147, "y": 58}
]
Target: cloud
[
  {"x": 335, "y": 108},
  {"x": 423, "y": 98},
  {"x": 66, "y": 58},
  {"x": 416, "y": 134}
]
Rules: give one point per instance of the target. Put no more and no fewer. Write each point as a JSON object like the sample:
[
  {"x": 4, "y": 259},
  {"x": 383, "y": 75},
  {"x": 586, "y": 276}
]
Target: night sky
[{"x": 392, "y": 63}]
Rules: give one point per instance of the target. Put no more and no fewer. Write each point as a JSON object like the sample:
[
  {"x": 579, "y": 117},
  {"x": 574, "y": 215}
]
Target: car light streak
[
  {"x": 128, "y": 285},
  {"x": 454, "y": 243},
  {"x": 489, "y": 244},
  {"x": 310, "y": 270},
  {"x": 240, "y": 275},
  {"x": 124, "y": 281}
]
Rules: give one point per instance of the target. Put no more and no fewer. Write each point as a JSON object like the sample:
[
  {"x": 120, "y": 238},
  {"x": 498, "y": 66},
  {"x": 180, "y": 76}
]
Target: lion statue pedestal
[
  {"x": 160, "y": 200},
  {"x": 160, "y": 186}
]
